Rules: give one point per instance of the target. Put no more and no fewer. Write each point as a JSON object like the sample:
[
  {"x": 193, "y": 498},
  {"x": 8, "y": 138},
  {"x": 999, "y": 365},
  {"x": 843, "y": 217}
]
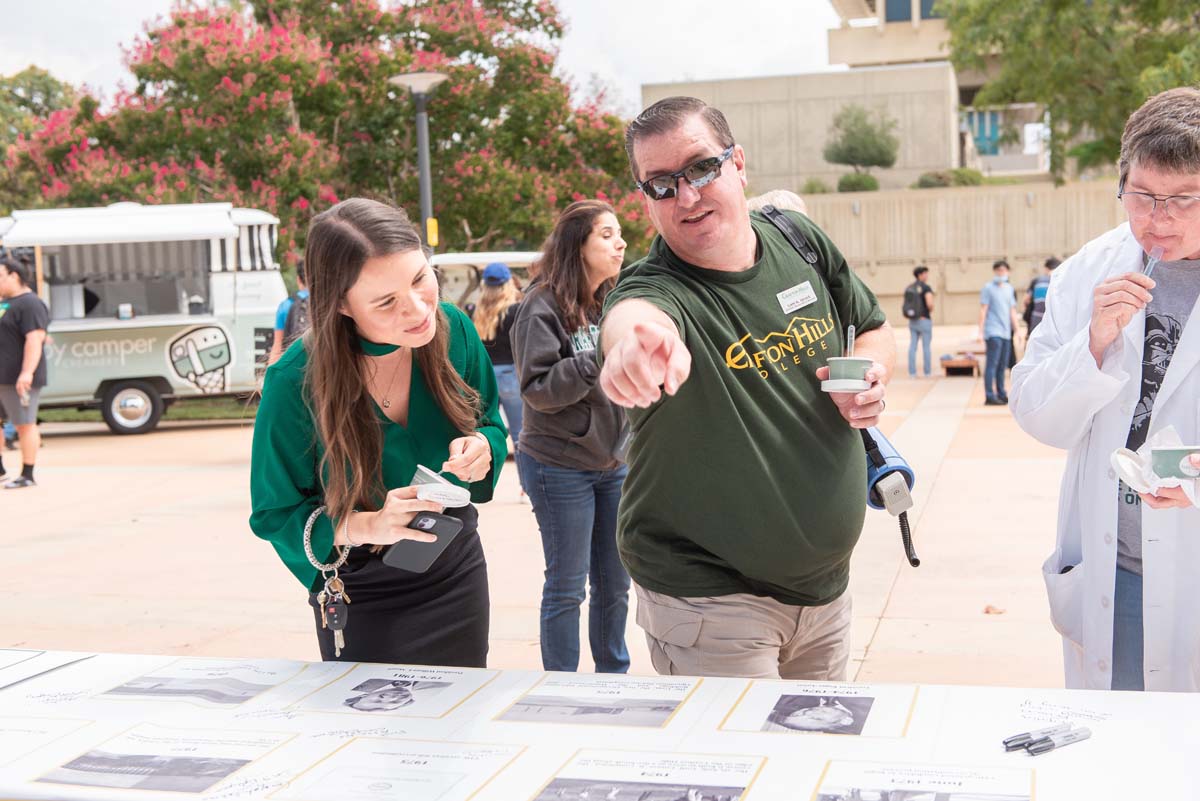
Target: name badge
[{"x": 797, "y": 297}]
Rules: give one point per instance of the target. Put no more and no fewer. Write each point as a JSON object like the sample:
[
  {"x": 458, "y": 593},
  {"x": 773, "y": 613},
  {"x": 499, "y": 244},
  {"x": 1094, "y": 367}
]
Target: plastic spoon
[
  {"x": 850, "y": 341},
  {"x": 1155, "y": 257}
]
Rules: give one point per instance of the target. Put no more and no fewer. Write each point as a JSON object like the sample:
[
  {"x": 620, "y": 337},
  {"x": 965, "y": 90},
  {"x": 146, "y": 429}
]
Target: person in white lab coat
[{"x": 1115, "y": 360}]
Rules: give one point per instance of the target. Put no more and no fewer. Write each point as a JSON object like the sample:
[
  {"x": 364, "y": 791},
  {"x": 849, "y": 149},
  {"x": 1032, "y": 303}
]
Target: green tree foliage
[
  {"x": 862, "y": 140},
  {"x": 285, "y": 105},
  {"x": 1090, "y": 62},
  {"x": 857, "y": 182},
  {"x": 814, "y": 186}
]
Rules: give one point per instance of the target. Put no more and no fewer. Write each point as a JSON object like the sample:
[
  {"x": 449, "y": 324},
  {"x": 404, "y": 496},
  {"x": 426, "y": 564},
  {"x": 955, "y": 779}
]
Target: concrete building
[{"x": 895, "y": 54}]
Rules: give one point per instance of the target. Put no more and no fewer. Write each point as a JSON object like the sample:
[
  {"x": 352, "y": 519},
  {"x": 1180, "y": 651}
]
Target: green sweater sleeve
[
  {"x": 284, "y": 484},
  {"x": 478, "y": 373}
]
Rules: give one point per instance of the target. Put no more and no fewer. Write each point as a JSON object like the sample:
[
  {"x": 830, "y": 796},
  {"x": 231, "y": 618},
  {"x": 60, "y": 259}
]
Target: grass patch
[{"x": 198, "y": 409}]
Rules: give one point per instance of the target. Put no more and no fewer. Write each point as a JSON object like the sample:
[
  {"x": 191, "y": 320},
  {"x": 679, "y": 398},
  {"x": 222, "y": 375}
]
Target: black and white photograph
[
  {"x": 883, "y": 781},
  {"x": 223, "y": 691},
  {"x": 827, "y": 714},
  {"x": 218, "y": 683},
  {"x": 177, "y": 774},
  {"x": 824, "y": 708},
  {"x": 649, "y": 713},
  {"x": 384, "y": 695},
  {"x": 590, "y": 790},
  {"x": 151, "y": 757},
  {"x": 602, "y": 700},
  {"x": 411, "y": 691},
  {"x": 601, "y": 775}
]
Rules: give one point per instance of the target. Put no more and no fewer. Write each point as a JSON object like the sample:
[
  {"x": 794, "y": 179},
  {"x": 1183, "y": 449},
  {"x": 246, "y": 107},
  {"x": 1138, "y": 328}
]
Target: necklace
[{"x": 386, "y": 401}]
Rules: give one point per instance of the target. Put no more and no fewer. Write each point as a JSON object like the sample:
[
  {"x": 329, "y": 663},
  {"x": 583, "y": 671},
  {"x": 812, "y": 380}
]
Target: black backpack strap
[
  {"x": 801, "y": 245},
  {"x": 793, "y": 234}
]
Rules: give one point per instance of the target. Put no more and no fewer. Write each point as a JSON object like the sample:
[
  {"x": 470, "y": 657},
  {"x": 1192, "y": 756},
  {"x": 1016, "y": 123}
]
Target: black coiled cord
[{"x": 906, "y": 538}]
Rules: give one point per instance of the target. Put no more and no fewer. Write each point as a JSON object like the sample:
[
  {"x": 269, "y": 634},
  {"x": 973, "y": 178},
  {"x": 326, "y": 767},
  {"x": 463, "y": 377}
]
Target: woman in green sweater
[{"x": 386, "y": 379}]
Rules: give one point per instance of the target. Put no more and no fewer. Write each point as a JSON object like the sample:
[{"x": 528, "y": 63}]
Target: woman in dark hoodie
[{"x": 570, "y": 456}]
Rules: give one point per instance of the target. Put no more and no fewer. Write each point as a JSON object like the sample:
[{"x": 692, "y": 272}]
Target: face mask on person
[{"x": 1000, "y": 279}]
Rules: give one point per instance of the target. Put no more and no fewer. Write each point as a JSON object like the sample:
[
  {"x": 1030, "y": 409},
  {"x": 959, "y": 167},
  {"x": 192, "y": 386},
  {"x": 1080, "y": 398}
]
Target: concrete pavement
[{"x": 140, "y": 544}]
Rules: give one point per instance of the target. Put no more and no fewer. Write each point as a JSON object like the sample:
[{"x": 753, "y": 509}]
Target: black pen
[{"x": 1018, "y": 741}]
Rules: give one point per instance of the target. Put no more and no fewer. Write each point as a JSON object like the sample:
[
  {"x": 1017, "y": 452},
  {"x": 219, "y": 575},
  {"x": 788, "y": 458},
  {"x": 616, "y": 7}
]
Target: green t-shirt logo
[{"x": 804, "y": 338}]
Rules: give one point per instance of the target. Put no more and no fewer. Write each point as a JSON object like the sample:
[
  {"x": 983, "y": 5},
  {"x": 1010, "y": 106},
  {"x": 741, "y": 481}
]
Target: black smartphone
[{"x": 416, "y": 557}]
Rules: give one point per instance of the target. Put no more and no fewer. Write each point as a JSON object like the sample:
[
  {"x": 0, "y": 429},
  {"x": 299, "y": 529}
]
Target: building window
[
  {"x": 898, "y": 11},
  {"x": 985, "y": 128},
  {"x": 927, "y": 11}
]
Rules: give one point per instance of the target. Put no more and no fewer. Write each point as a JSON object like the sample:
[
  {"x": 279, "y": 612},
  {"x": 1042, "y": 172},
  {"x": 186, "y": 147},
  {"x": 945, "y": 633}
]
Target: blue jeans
[
  {"x": 998, "y": 351},
  {"x": 919, "y": 331},
  {"x": 510, "y": 400},
  {"x": 1127, "y": 664},
  {"x": 576, "y": 511}
]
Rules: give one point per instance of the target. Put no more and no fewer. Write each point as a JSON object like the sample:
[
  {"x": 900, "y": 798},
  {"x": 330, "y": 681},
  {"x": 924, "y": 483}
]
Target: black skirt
[{"x": 439, "y": 617}]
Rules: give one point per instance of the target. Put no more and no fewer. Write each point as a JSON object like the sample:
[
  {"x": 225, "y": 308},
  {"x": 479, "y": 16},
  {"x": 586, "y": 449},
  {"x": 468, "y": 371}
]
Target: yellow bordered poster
[
  {"x": 410, "y": 691},
  {"x": 395, "y": 769},
  {"x": 209, "y": 683},
  {"x": 148, "y": 757},
  {"x": 639, "y": 776},
  {"x": 843, "y": 780},
  {"x": 804, "y": 707},
  {"x": 584, "y": 699}
]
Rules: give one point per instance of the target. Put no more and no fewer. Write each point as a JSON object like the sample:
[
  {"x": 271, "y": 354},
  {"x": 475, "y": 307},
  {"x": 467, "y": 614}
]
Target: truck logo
[{"x": 202, "y": 357}]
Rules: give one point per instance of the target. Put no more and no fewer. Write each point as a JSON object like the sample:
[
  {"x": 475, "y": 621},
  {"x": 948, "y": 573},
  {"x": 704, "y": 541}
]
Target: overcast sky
[{"x": 621, "y": 44}]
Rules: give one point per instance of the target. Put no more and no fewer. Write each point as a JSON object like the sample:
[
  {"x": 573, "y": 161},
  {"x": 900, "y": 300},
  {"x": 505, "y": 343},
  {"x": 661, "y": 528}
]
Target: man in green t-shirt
[{"x": 747, "y": 484}]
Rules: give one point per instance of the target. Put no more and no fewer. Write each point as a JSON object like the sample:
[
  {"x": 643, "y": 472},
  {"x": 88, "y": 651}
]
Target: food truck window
[{"x": 148, "y": 277}]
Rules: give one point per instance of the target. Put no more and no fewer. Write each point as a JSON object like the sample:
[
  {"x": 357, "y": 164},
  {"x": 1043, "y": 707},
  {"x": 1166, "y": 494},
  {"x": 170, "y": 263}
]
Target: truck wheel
[{"x": 131, "y": 407}]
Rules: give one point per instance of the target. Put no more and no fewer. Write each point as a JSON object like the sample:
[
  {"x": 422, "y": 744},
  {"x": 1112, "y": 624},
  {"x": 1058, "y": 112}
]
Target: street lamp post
[{"x": 421, "y": 84}]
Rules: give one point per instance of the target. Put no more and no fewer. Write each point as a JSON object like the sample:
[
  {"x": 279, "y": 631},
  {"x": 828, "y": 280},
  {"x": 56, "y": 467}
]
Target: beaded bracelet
[{"x": 308, "y": 551}]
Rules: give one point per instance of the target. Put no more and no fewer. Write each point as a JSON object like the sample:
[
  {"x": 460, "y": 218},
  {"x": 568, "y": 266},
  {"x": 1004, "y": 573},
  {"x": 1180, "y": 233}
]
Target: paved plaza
[{"x": 141, "y": 545}]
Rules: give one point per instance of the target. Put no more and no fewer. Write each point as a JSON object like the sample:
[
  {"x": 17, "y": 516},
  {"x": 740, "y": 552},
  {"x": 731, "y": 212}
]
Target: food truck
[{"x": 150, "y": 305}]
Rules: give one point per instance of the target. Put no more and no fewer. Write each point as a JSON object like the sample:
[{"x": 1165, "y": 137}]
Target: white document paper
[
  {"x": 400, "y": 690},
  {"x": 212, "y": 683},
  {"x": 802, "y": 707},
  {"x": 881, "y": 780},
  {"x": 628, "y": 776},
  {"x": 602, "y": 700},
  {"x": 150, "y": 757},
  {"x": 21, "y": 736},
  {"x": 379, "y": 769},
  {"x": 17, "y": 666}
]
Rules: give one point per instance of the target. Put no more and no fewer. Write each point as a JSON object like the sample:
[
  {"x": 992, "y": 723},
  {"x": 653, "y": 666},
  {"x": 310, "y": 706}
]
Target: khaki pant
[{"x": 746, "y": 636}]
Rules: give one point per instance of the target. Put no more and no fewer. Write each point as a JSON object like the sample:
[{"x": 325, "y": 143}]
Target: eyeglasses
[
  {"x": 700, "y": 174},
  {"x": 1184, "y": 208}
]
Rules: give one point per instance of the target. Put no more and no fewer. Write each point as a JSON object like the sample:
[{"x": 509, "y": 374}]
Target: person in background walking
[
  {"x": 918, "y": 309},
  {"x": 997, "y": 324},
  {"x": 23, "y": 321},
  {"x": 291, "y": 318},
  {"x": 1035, "y": 298},
  {"x": 571, "y": 455},
  {"x": 493, "y": 317}
]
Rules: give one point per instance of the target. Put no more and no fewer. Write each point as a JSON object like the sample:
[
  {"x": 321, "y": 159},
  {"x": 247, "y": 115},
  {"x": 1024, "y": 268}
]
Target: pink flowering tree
[{"x": 286, "y": 107}]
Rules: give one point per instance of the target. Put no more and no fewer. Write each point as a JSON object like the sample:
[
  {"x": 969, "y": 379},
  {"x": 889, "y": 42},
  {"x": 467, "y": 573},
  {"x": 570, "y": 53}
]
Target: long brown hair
[
  {"x": 340, "y": 241},
  {"x": 562, "y": 268},
  {"x": 494, "y": 301}
]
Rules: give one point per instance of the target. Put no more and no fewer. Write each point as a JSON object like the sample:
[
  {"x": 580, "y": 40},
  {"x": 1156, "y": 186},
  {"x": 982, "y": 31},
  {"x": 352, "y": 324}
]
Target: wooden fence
[{"x": 958, "y": 233}]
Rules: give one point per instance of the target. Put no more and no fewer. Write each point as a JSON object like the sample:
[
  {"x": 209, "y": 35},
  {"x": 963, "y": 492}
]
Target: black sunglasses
[{"x": 699, "y": 174}]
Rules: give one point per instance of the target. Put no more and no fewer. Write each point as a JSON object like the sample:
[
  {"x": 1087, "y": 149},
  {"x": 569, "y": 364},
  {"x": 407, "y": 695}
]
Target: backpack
[
  {"x": 297, "y": 321},
  {"x": 913, "y": 301}
]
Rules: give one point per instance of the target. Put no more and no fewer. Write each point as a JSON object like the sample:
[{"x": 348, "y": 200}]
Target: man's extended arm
[{"x": 643, "y": 354}]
